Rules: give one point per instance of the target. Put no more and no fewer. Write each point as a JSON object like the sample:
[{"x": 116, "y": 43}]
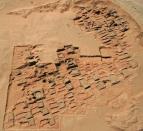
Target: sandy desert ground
[{"x": 45, "y": 29}]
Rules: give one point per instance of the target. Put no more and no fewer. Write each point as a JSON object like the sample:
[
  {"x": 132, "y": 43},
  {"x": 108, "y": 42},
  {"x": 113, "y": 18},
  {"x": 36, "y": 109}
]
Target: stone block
[
  {"x": 60, "y": 49},
  {"x": 124, "y": 56},
  {"x": 31, "y": 122},
  {"x": 96, "y": 77},
  {"x": 67, "y": 81},
  {"x": 115, "y": 79},
  {"x": 40, "y": 104},
  {"x": 29, "y": 115},
  {"x": 133, "y": 64},
  {"x": 52, "y": 91},
  {"x": 70, "y": 95},
  {"x": 9, "y": 117},
  {"x": 52, "y": 122},
  {"x": 100, "y": 85},
  {"x": 41, "y": 65},
  {"x": 75, "y": 72},
  {"x": 53, "y": 105},
  {"x": 32, "y": 62},
  {"x": 69, "y": 87},
  {"x": 61, "y": 104},
  {"x": 127, "y": 72},
  {"x": 45, "y": 111},
  {"x": 38, "y": 94},
  {"x": 84, "y": 84}
]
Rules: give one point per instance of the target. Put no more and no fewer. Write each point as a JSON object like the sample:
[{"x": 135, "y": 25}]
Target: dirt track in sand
[{"x": 39, "y": 28}]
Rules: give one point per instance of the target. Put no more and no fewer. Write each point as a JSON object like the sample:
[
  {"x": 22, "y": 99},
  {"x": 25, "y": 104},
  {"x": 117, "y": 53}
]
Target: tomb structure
[{"x": 40, "y": 93}]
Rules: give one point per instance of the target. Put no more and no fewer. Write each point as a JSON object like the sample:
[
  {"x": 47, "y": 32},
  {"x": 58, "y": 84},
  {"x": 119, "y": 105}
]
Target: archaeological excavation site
[{"x": 71, "y": 65}]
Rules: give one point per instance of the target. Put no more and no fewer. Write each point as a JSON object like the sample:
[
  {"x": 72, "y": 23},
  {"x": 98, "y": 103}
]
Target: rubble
[
  {"x": 52, "y": 87},
  {"x": 71, "y": 80}
]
